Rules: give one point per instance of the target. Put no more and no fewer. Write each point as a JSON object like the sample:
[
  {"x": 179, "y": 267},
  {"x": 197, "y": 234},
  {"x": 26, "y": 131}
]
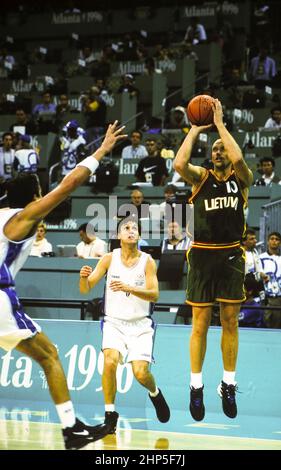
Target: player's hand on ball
[
  {"x": 85, "y": 271},
  {"x": 202, "y": 128},
  {"x": 218, "y": 112}
]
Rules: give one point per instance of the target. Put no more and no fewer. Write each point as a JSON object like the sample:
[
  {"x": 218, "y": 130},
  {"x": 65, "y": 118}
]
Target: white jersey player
[
  {"x": 128, "y": 329},
  {"x": 18, "y": 225}
]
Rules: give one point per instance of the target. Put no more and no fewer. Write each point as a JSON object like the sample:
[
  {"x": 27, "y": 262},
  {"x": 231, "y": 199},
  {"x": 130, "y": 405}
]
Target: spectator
[
  {"x": 86, "y": 54},
  {"x": 188, "y": 53},
  {"x": 90, "y": 246},
  {"x": 268, "y": 174},
  {"x": 142, "y": 206},
  {"x": 72, "y": 146},
  {"x": 274, "y": 122},
  {"x": 251, "y": 317},
  {"x": 176, "y": 240},
  {"x": 253, "y": 263},
  {"x": 105, "y": 93},
  {"x": 169, "y": 195},
  {"x": 136, "y": 150},
  {"x": 94, "y": 109},
  {"x": 7, "y": 156},
  {"x": 44, "y": 114},
  {"x": 262, "y": 69},
  {"x": 46, "y": 107},
  {"x": 26, "y": 158},
  {"x": 41, "y": 244},
  {"x": 62, "y": 110},
  {"x": 152, "y": 169},
  {"x": 7, "y": 62},
  {"x": 63, "y": 107},
  {"x": 195, "y": 32},
  {"x": 24, "y": 122},
  {"x": 128, "y": 86},
  {"x": 271, "y": 265},
  {"x": 178, "y": 118}
]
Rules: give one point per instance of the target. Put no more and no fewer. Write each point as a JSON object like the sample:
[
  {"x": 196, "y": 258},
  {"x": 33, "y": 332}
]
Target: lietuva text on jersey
[
  {"x": 221, "y": 203},
  {"x": 218, "y": 211}
]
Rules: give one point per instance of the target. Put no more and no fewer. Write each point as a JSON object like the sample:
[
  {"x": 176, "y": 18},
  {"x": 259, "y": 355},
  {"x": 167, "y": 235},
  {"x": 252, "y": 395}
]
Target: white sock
[
  {"x": 66, "y": 414},
  {"x": 196, "y": 380},
  {"x": 109, "y": 407},
  {"x": 154, "y": 394},
  {"x": 229, "y": 377}
]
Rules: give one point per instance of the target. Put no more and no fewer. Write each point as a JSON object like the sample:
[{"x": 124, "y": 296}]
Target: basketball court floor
[{"x": 25, "y": 426}]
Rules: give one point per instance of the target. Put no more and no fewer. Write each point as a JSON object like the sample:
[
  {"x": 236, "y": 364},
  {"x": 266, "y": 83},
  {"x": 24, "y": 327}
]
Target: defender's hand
[{"x": 112, "y": 136}]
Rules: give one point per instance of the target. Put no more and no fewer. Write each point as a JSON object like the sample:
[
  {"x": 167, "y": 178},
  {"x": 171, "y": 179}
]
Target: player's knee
[
  {"x": 110, "y": 364},
  {"x": 140, "y": 373},
  {"x": 49, "y": 356},
  {"x": 230, "y": 324},
  {"x": 200, "y": 329}
]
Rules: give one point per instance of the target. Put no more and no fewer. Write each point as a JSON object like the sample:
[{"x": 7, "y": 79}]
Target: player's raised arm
[
  {"x": 190, "y": 173},
  {"x": 22, "y": 223},
  {"x": 233, "y": 150}
]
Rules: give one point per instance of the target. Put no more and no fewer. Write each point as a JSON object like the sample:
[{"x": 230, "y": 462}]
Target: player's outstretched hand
[
  {"x": 113, "y": 135},
  {"x": 85, "y": 271}
]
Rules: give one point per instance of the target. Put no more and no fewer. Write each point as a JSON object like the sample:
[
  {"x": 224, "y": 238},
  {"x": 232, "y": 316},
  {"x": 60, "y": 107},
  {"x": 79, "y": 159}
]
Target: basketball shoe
[
  {"x": 161, "y": 407},
  {"x": 196, "y": 406},
  {"x": 227, "y": 394},
  {"x": 80, "y": 435}
]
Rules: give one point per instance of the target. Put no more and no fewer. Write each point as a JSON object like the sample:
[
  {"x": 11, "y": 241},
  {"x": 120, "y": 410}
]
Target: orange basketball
[{"x": 199, "y": 110}]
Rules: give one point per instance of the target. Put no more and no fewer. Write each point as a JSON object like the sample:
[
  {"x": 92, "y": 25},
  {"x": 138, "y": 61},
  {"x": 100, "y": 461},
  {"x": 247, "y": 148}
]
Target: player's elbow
[
  {"x": 176, "y": 165},
  {"x": 179, "y": 166},
  {"x": 155, "y": 296}
]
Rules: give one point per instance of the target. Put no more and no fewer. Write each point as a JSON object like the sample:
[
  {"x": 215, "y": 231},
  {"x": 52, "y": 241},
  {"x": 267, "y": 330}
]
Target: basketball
[{"x": 199, "y": 110}]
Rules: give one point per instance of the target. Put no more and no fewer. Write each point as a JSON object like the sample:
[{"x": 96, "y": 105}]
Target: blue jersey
[
  {"x": 271, "y": 265},
  {"x": 15, "y": 325}
]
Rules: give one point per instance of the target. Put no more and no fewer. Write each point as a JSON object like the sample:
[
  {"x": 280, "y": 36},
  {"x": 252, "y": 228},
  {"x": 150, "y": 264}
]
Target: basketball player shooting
[
  {"x": 128, "y": 328},
  {"x": 216, "y": 264},
  {"x": 18, "y": 225}
]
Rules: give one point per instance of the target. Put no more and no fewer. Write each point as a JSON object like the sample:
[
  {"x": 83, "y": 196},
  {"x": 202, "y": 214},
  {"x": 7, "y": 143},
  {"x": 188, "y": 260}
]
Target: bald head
[
  {"x": 137, "y": 197},
  {"x": 219, "y": 156}
]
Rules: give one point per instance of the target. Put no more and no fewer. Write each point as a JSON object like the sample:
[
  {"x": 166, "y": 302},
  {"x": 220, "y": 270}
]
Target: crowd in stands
[{"x": 79, "y": 118}]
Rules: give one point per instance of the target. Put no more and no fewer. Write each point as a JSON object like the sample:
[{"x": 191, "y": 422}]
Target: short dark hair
[
  {"x": 275, "y": 108},
  {"x": 83, "y": 227},
  {"x": 170, "y": 188},
  {"x": 267, "y": 159},
  {"x": 125, "y": 220},
  {"x": 22, "y": 189},
  {"x": 87, "y": 228},
  {"x": 249, "y": 231},
  {"x": 275, "y": 234},
  {"x": 251, "y": 284},
  {"x": 136, "y": 132},
  {"x": 151, "y": 139},
  {"x": 7, "y": 133}
]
